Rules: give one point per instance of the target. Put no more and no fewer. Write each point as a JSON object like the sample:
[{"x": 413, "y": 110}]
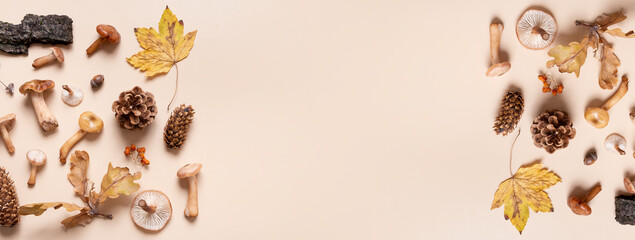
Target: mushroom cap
[
  {"x": 597, "y": 117},
  {"x": 8, "y": 121},
  {"x": 37, "y": 86},
  {"x": 90, "y": 122},
  {"x": 36, "y": 157},
  {"x": 614, "y": 142},
  {"x": 536, "y": 29},
  {"x": 578, "y": 207},
  {"x": 157, "y": 220},
  {"x": 58, "y": 53},
  {"x": 108, "y": 32},
  {"x": 72, "y": 99},
  {"x": 498, "y": 69},
  {"x": 189, "y": 170},
  {"x": 628, "y": 184}
]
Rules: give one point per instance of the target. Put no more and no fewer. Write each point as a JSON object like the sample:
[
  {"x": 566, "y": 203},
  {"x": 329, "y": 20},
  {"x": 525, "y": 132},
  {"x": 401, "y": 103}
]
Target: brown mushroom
[
  {"x": 35, "y": 89},
  {"x": 88, "y": 123},
  {"x": 628, "y": 184},
  {"x": 497, "y": 68},
  {"x": 581, "y": 206},
  {"x": 106, "y": 32},
  {"x": 6, "y": 124},
  {"x": 151, "y": 210},
  {"x": 189, "y": 171},
  {"x": 37, "y": 158},
  {"x": 599, "y": 116},
  {"x": 56, "y": 54}
]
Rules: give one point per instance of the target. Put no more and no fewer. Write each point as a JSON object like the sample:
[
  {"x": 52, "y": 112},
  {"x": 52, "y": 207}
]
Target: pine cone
[
  {"x": 552, "y": 130},
  {"x": 509, "y": 113},
  {"x": 175, "y": 131},
  {"x": 135, "y": 109},
  {"x": 8, "y": 200}
]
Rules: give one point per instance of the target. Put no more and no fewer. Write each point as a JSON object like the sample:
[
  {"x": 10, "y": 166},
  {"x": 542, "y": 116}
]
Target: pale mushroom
[
  {"x": 497, "y": 68},
  {"x": 35, "y": 89},
  {"x": 615, "y": 143},
  {"x": 72, "y": 96},
  {"x": 536, "y": 29},
  {"x": 56, "y": 54},
  {"x": 151, "y": 210},
  {"x": 88, "y": 123},
  {"x": 189, "y": 171},
  {"x": 36, "y": 158},
  {"x": 6, "y": 124},
  {"x": 599, "y": 116}
]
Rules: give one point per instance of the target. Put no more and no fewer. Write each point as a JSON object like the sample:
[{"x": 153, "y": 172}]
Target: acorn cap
[
  {"x": 36, "y": 86},
  {"x": 151, "y": 210},
  {"x": 190, "y": 169},
  {"x": 36, "y": 157},
  {"x": 108, "y": 32},
  {"x": 90, "y": 122},
  {"x": 8, "y": 121}
]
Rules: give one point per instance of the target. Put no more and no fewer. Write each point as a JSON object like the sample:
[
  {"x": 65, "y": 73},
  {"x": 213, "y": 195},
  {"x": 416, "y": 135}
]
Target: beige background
[{"x": 324, "y": 120}]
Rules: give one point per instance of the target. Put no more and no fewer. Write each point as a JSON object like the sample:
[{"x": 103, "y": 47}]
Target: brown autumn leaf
[
  {"x": 607, "y": 19},
  {"x": 38, "y": 208},
  {"x": 525, "y": 190},
  {"x": 117, "y": 181},
  {"x": 608, "y": 69},
  {"x": 82, "y": 218},
  {"x": 78, "y": 175},
  {"x": 617, "y": 32}
]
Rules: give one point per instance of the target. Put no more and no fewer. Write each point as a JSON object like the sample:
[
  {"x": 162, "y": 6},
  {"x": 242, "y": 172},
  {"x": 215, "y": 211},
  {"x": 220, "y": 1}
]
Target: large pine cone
[
  {"x": 135, "y": 109},
  {"x": 175, "y": 131},
  {"x": 552, "y": 130},
  {"x": 8, "y": 200},
  {"x": 509, "y": 113}
]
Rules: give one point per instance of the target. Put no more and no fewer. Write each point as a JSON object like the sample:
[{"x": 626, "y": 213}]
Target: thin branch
[
  {"x": 176, "y": 87},
  {"x": 511, "y": 150}
]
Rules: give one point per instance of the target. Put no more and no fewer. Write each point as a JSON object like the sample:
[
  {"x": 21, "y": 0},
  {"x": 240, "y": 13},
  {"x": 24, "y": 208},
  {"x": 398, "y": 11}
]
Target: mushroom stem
[
  {"x": 38, "y": 62},
  {"x": 592, "y": 194},
  {"x": 44, "y": 115},
  {"x": 621, "y": 91},
  {"x": 146, "y": 207},
  {"x": 32, "y": 177},
  {"x": 191, "y": 210},
  {"x": 541, "y": 32},
  {"x": 619, "y": 150},
  {"x": 69, "y": 144},
  {"x": 70, "y": 91},
  {"x": 495, "y": 30},
  {"x": 93, "y": 47},
  {"x": 7, "y": 139}
]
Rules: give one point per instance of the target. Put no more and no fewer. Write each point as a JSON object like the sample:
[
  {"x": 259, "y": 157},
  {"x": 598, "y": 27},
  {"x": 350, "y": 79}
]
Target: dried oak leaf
[
  {"x": 617, "y": 32},
  {"x": 117, "y": 181},
  {"x": 608, "y": 69},
  {"x": 164, "y": 48},
  {"x": 524, "y": 190},
  {"x": 79, "y": 170},
  {"x": 38, "y": 208},
  {"x": 607, "y": 19},
  {"x": 571, "y": 58},
  {"x": 82, "y": 218}
]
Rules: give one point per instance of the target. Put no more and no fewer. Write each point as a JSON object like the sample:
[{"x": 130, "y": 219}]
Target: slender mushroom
[
  {"x": 35, "y": 89},
  {"x": 615, "y": 143},
  {"x": 536, "y": 29},
  {"x": 497, "y": 68},
  {"x": 97, "y": 81},
  {"x": 599, "y": 116},
  {"x": 151, "y": 210},
  {"x": 72, "y": 96},
  {"x": 88, "y": 123},
  {"x": 106, "y": 32},
  {"x": 189, "y": 171},
  {"x": 581, "y": 206},
  {"x": 56, "y": 54},
  {"x": 37, "y": 158},
  {"x": 6, "y": 124},
  {"x": 8, "y": 87}
]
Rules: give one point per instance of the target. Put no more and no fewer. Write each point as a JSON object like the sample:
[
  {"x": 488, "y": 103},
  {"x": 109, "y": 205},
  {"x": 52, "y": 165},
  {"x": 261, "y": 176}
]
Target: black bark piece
[
  {"x": 625, "y": 210},
  {"x": 49, "y": 29}
]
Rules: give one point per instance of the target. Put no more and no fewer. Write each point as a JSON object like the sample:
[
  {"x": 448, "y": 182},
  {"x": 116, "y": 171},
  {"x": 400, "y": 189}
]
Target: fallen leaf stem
[
  {"x": 511, "y": 151},
  {"x": 176, "y": 87}
]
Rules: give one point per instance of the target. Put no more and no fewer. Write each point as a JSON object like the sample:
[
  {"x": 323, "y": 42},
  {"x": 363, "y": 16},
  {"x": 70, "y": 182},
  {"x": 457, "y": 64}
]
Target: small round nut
[
  {"x": 590, "y": 158},
  {"x": 97, "y": 81}
]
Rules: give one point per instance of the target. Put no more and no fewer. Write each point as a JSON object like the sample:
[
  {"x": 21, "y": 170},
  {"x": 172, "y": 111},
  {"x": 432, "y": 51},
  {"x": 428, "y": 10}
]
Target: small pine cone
[
  {"x": 135, "y": 109},
  {"x": 8, "y": 200},
  {"x": 552, "y": 130},
  {"x": 509, "y": 113},
  {"x": 175, "y": 131}
]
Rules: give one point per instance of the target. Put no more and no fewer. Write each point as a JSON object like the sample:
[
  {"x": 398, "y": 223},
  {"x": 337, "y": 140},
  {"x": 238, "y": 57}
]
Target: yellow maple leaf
[
  {"x": 570, "y": 58},
  {"x": 525, "y": 190},
  {"x": 163, "y": 49}
]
